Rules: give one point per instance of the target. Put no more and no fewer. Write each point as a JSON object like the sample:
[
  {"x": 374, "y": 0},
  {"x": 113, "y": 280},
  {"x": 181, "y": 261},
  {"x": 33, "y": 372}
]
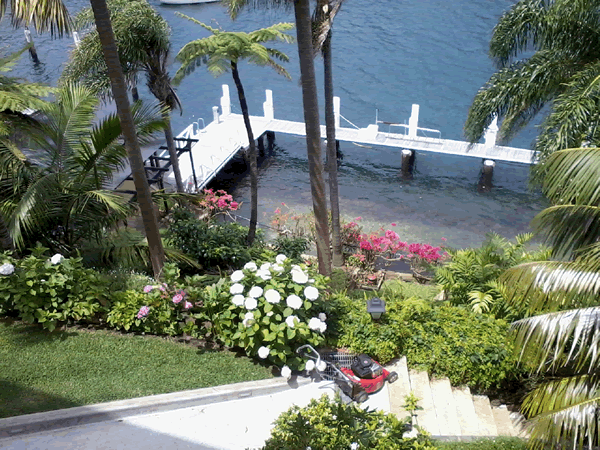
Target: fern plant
[{"x": 470, "y": 278}]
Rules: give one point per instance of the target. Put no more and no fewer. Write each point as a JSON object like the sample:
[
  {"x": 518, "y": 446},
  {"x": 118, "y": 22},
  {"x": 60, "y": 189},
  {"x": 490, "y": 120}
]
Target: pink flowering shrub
[
  {"x": 212, "y": 203},
  {"x": 287, "y": 222}
]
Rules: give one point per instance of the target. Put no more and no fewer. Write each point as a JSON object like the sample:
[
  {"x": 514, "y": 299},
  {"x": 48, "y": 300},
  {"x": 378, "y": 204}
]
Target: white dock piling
[
  {"x": 268, "y": 105},
  {"x": 32, "y": 50},
  {"x": 491, "y": 133},
  {"x": 487, "y": 172},
  {"x": 216, "y": 114},
  {"x": 408, "y": 161},
  {"x": 76, "y": 39},
  {"x": 413, "y": 121},
  {"x": 225, "y": 101},
  {"x": 336, "y": 111}
]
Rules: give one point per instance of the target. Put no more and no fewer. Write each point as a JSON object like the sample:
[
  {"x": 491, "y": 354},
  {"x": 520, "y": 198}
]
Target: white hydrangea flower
[
  {"x": 314, "y": 324},
  {"x": 255, "y": 292},
  {"x": 7, "y": 269},
  {"x": 248, "y": 319},
  {"x": 251, "y": 266},
  {"x": 321, "y": 366},
  {"x": 322, "y": 327},
  {"x": 311, "y": 280},
  {"x": 280, "y": 258},
  {"x": 354, "y": 446},
  {"x": 310, "y": 365},
  {"x": 236, "y": 288},
  {"x": 263, "y": 352},
  {"x": 311, "y": 292},
  {"x": 299, "y": 277},
  {"x": 323, "y": 317},
  {"x": 286, "y": 372},
  {"x": 295, "y": 268},
  {"x": 265, "y": 266},
  {"x": 277, "y": 268},
  {"x": 264, "y": 274},
  {"x": 291, "y": 321},
  {"x": 294, "y": 302},
  {"x": 56, "y": 259},
  {"x": 270, "y": 313},
  {"x": 236, "y": 276},
  {"x": 238, "y": 300},
  {"x": 250, "y": 303},
  {"x": 272, "y": 296}
]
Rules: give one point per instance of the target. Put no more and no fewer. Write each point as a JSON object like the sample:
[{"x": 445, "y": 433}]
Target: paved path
[{"x": 230, "y": 425}]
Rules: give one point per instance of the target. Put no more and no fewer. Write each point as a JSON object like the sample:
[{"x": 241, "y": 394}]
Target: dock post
[
  {"x": 76, "y": 39},
  {"x": 270, "y": 140},
  {"x": 261, "y": 145},
  {"x": 408, "y": 162},
  {"x": 338, "y": 153},
  {"x": 225, "y": 100},
  {"x": 490, "y": 134},
  {"x": 413, "y": 122},
  {"x": 216, "y": 114},
  {"x": 487, "y": 171},
  {"x": 336, "y": 111},
  {"x": 268, "y": 110},
  {"x": 32, "y": 50}
]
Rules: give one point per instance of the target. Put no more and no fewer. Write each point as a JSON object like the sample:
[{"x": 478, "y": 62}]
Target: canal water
[{"x": 387, "y": 56}]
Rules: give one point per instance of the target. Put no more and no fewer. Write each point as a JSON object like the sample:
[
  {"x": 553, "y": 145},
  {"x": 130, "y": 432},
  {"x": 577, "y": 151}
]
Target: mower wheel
[
  {"x": 361, "y": 397},
  {"x": 393, "y": 376}
]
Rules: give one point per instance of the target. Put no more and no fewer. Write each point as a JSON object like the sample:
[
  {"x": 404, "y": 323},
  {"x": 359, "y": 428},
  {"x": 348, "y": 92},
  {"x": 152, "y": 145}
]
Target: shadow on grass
[{"x": 19, "y": 400}]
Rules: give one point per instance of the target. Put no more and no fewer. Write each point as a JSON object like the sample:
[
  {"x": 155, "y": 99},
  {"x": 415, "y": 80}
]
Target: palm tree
[
  {"x": 143, "y": 41},
  {"x": 322, "y": 22},
  {"x": 56, "y": 190},
  {"x": 563, "y": 72},
  {"x": 223, "y": 51},
  {"x": 311, "y": 116},
  {"x": 134, "y": 154},
  {"x": 44, "y": 15},
  {"x": 564, "y": 343}
]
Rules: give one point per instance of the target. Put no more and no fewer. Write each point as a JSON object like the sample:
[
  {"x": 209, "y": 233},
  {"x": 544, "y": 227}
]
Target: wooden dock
[{"x": 219, "y": 141}]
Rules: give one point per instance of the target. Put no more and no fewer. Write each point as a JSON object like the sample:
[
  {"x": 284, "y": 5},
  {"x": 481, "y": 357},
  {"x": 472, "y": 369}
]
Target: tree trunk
[
  {"x": 313, "y": 132},
  {"x": 119, "y": 90},
  {"x": 173, "y": 152},
  {"x": 338, "y": 257},
  {"x": 251, "y": 155}
]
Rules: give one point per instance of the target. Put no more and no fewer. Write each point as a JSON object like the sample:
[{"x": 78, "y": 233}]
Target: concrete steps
[{"x": 449, "y": 412}]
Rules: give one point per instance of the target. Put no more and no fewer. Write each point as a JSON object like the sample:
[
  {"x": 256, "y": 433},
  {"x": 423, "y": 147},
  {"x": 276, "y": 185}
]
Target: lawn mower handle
[{"x": 299, "y": 350}]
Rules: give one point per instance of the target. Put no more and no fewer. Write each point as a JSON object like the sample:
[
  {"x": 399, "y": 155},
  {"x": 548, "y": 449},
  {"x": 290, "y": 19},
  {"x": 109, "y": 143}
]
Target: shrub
[
  {"x": 212, "y": 244},
  {"x": 274, "y": 309},
  {"x": 500, "y": 443},
  {"x": 449, "y": 341},
  {"x": 291, "y": 246},
  {"x": 49, "y": 291},
  {"x": 168, "y": 308},
  {"x": 470, "y": 277},
  {"x": 329, "y": 424}
]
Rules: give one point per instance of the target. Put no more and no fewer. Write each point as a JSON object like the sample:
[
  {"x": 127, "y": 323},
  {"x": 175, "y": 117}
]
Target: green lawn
[
  {"x": 41, "y": 371},
  {"x": 485, "y": 444}
]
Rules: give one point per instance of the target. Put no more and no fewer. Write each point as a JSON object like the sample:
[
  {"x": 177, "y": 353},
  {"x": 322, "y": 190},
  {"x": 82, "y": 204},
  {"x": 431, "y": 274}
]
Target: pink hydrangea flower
[
  {"x": 177, "y": 298},
  {"x": 444, "y": 239},
  {"x": 187, "y": 305},
  {"x": 143, "y": 312},
  {"x": 393, "y": 224},
  {"x": 234, "y": 206},
  {"x": 148, "y": 288}
]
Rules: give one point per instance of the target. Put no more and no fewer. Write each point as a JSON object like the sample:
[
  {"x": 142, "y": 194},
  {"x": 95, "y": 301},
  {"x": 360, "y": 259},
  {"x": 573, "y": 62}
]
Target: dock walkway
[{"x": 219, "y": 141}]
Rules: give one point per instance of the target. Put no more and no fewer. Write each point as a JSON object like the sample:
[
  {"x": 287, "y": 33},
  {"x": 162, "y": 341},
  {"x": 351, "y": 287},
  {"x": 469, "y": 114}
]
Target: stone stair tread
[
  {"x": 465, "y": 411},
  {"x": 483, "y": 409},
  {"x": 399, "y": 389},
  {"x": 519, "y": 424},
  {"x": 503, "y": 422},
  {"x": 426, "y": 417},
  {"x": 445, "y": 407}
]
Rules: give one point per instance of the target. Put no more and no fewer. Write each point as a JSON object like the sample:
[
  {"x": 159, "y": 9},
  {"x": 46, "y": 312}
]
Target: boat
[{"x": 186, "y": 2}]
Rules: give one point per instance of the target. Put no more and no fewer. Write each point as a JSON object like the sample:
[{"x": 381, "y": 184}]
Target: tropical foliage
[
  {"x": 142, "y": 36},
  {"x": 470, "y": 278},
  {"x": 222, "y": 52},
  {"x": 44, "y": 15},
  {"x": 563, "y": 73},
  {"x": 562, "y": 344},
  {"x": 60, "y": 196}
]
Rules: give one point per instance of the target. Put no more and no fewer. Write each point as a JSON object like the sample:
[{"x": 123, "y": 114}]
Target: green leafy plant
[
  {"x": 274, "y": 309},
  {"x": 449, "y": 341},
  {"x": 330, "y": 424},
  {"x": 212, "y": 244},
  {"x": 291, "y": 246},
  {"x": 470, "y": 278},
  {"x": 39, "y": 289}
]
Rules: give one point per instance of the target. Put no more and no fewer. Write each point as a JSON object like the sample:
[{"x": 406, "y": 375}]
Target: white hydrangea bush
[{"x": 276, "y": 306}]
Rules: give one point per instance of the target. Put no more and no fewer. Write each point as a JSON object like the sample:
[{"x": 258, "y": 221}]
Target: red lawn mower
[{"x": 356, "y": 375}]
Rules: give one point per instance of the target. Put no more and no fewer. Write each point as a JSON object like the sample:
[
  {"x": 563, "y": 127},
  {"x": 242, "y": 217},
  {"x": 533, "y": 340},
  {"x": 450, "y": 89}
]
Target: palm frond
[
  {"x": 44, "y": 15},
  {"x": 563, "y": 413},
  {"x": 234, "y": 7}
]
